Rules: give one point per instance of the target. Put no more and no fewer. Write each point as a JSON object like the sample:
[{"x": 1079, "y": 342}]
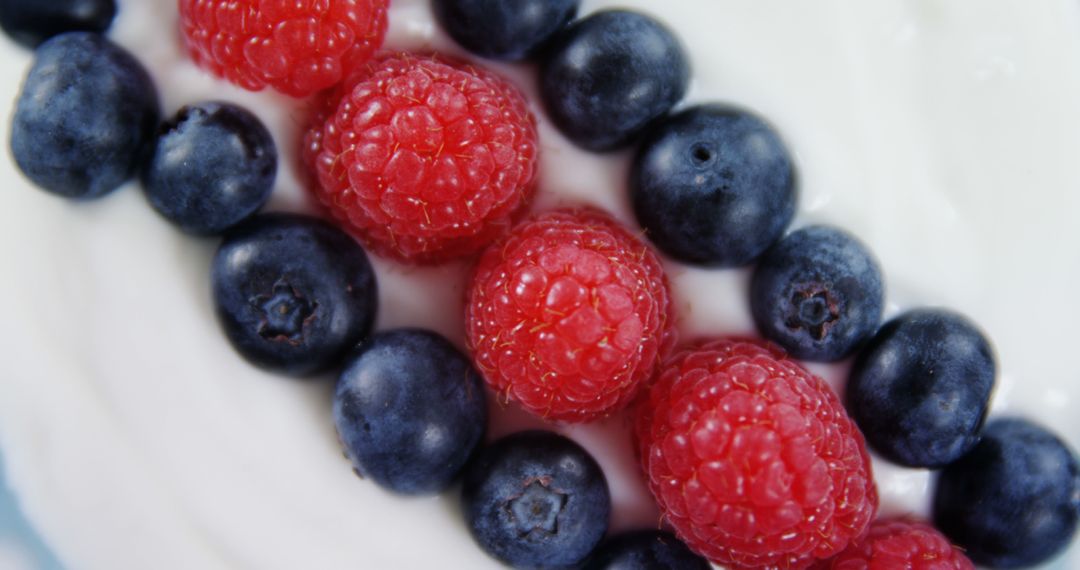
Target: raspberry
[
  {"x": 569, "y": 315},
  {"x": 296, "y": 46},
  {"x": 752, "y": 459},
  {"x": 902, "y": 544},
  {"x": 426, "y": 159}
]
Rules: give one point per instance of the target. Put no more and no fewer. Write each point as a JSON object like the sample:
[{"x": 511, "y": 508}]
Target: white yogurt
[{"x": 944, "y": 134}]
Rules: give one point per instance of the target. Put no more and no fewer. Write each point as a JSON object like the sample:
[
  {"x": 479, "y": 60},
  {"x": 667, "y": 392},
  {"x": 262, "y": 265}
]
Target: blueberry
[
  {"x": 1014, "y": 500},
  {"x": 212, "y": 166},
  {"x": 504, "y": 29},
  {"x": 293, "y": 293},
  {"x": 817, "y": 293},
  {"x": 919, "y": 391},
  {"x": 409, "y": 410},
  {"x": 536, "y": 499},
  {"x": 86, "y": 111},
  {"x": 31, "y": 22},
  {"x": 606, "y": 77},
  {"x": 713, "y": 185},
  {"x": 645, "y": 550}
]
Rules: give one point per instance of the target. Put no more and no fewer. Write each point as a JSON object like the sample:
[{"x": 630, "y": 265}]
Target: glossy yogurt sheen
[{"x": 945, "y": 134}]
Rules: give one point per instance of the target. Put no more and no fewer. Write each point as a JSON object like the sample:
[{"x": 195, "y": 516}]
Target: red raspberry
[
  {"x": 425, "y": 158},
  {"x": 753, "y": 460},
  {"x": 296, "y": 46},
  {"x": 569, "y": 315},
  {"x": 900, "y": 544}
]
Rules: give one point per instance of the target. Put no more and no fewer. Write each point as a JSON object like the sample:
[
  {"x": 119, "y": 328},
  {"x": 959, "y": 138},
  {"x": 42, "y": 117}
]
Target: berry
[
  {"x": 752, "y": 459},
  {"x": 85, "y": 113},
  {"x": 920, "y": 390},
  {"x": 409, "y": 410},
  {"x": 569, "y": 315},
  {"x": 536, "y": 499},
  {"x": 297, "y": 48},
  {"x": 817, "y": 293},
  {"x": 212, "y": 166},
  {"x": 508, "y": 29},
  {"x": 609, "y": 75},
  {"x": 713, "y": 185},
  {"x": 903, "y": 545},
  {"x": 645, "y": 550},
  {"x": 293, "y": 293},
  {"x": 425, "y": 159},
  {"x": 31, "y": 22},
  {"x": 1014, "y": 500}
]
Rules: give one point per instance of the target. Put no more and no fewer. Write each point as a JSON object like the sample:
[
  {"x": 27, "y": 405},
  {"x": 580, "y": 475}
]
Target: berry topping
[
  {"x": 900, "y": 544},
  {"x": 608, "y": 75},
  {"x": 920, "y": 390},
  {"x": 752, "y": 459},
  {"x": 426, "y": 159},
  {"x": 569, "y": 315},
  {"x": 212, "y": 166},
  {"x": 1014, "y": 500},
  {"x": 294, "y": 294},
  {"x": 86, "y": 111},
  {"x": 410, "y": 410},
  {"x": 509, "y": 29},
  {"x": 818, "y": 293},
  {"x": 713, "y": 186},
  {"x": 536, "y": 499},
  {"x": 297, "y": 48},
  {"x": 31, "y": 22},
  {"x": 645, "y": 550}
]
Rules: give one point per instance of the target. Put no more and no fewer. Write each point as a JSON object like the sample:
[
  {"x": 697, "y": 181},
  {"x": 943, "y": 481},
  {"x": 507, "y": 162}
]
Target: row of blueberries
[
  {"x": 919, "y": 388},
  {"x": 715, "y": 186}
]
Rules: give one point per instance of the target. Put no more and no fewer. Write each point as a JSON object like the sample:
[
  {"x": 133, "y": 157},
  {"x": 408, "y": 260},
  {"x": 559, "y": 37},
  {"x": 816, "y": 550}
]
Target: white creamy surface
[{"x": 944, "y": 134}]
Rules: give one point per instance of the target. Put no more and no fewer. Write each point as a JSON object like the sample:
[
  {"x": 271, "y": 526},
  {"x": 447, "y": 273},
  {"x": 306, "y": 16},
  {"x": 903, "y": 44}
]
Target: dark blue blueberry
[
  {"x": 410, "y": 410},
  {"x": 31, "y": 22},
  {"x": 1014, "y": 500},
  {"x": 86, "y": 112},
  {"x": 536, "y": 499},
  {"x": 504, "y": 29},
  {"x": 919, "y": 391},
  {"x": 606, "y": 77},
  {"x": 212, "y": 166},
  {"x": 293, "y": 293},
  {"x": 645, "y": 550},
  {"x": 713, "y": 185},
  {"x": 817, "y": 293}
]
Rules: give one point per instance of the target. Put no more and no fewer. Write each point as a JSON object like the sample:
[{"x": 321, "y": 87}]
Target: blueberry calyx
[
  {"x": 294, "y": 294},
  {"x": 537, "y": 508},
  {"x": 286, "y": 313},
  {"x": 536, "y": 499},
  {"x": 818, "y": 293},
  {"x": 814, "y": 310}
]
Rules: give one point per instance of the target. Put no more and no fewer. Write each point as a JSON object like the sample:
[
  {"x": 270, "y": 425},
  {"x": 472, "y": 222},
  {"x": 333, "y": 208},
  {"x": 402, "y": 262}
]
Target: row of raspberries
[{"x": 753, "y": 460}]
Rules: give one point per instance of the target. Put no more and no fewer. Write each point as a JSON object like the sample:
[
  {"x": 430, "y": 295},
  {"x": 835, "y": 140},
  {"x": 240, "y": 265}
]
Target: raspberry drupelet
[
  {"x": 752, "y": 459},
  {"x": 900, "y": 544},
  {"x": 296, "y": 47},
  {"x": 569, "y": 315},
  {"x": 424, "y": 158}
]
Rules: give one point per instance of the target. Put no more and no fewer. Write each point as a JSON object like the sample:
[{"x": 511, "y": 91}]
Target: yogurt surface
[{"x": 943, "y": 134}]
